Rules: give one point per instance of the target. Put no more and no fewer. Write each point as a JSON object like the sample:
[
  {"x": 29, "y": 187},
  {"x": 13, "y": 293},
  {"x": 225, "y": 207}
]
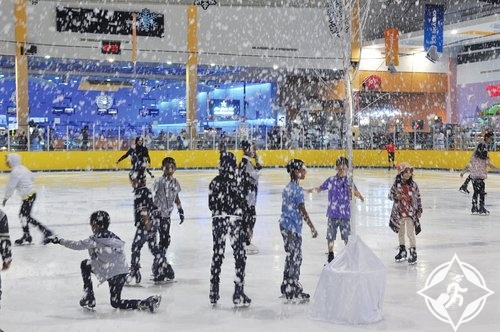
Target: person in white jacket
[{"x": 21, "y": 179}]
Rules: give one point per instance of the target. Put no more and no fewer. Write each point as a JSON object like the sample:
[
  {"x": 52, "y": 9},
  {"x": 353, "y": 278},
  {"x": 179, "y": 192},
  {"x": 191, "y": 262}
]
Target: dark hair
[
  {"x": 137, "y": 139},
  {"x": 227, "y": 163},
  {"x": 488, "y": 134},
  {"x": 168, "y": 160},
  {"x": 481, "y": 151},
  {"x": 293, "y": 165},
  {"x": 100, "y": 218},
  {"x": 342, "y": 161},
  {"x": 245, "y": 145}
]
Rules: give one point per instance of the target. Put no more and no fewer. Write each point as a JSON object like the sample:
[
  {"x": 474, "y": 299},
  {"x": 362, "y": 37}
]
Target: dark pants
[
  {"x": 293, "y": 249},
  {"x": 221, "y": 226},
  {"x": 249, "y": 218},
  {"x": 164, "y": 235},
  {"x": 141, "y": 237},
  {"x": 26, "y": 218},
  {"x": 479, "y": 189},
  {"x": 115, "y": 287}
]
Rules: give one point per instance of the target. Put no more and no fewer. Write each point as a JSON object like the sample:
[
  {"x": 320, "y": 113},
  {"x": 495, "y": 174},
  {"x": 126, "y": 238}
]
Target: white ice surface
[{"x": 43, "y": 286}]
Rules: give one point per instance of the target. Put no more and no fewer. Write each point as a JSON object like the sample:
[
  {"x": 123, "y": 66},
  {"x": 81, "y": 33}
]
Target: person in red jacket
[{"x": 390, "y": 147}]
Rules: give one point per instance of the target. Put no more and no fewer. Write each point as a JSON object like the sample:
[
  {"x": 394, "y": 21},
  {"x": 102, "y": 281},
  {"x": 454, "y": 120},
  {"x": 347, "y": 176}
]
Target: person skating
[
  {"x": 5, "y": 247},
  {"x": 406, "y": 211},
  {"x": 293, "y": 212},
  {"x": 107, "y": 261},
  {"x": 478, "y": 168},
  {"x": 226, "y": 200},
  {"x": 146, "y": 220},
  {"x": 249, "y": 180},
  {"x": 339, "y": 204},
  {"x": 390, "y": 147},
  {"x": 22, "y": 180},
  {"x": 166, "y": 191},
  {"x": 139, "y": 157}
]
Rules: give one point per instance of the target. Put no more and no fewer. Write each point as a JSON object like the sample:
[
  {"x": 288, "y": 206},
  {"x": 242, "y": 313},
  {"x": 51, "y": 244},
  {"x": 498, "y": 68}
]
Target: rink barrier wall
[{"x": 192, "y": 159}]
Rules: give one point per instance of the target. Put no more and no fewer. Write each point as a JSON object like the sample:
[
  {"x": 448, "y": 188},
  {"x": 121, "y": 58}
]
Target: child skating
[
  {"x": 166, "y": 193},
  {"x": 293, "y": 212},
  {"x": 339, "y": 204},
  {"x": 478, "y": 168},
  {"x": 107, "y": 261},
  {"x": 406, "y": 211},
  {"x": 225, "y": 201}
]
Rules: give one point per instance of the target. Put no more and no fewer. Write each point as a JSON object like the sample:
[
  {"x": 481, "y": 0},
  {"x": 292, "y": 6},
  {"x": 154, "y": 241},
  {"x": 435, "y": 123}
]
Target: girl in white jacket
[{"x": 21, "y": 179}]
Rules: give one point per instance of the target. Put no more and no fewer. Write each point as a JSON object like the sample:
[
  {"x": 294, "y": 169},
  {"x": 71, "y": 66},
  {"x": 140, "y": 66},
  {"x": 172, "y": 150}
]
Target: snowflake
[
  {"x": 205, "y": 3},
  {"x": 146, "y": 20}
]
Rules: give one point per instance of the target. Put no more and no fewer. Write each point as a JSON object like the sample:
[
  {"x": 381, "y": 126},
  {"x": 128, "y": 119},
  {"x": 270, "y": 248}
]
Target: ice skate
[
  {"x": 25, "y": 239},
  {"x": 251, "y": 249},
  {"x": 331, "y": 257},
  {"x": 88, "y": 301},
  {"x": 152, "y": 303},
  {"x": 401, "y": 256},
  {"x": 413, "y": 256},
  {"x": 134, "y": 274},
  {"x": 483, "y": 212},
  {"x": 474, "y": 210},
  {"x": 239, "y": 297},
  {"x": 463, "y": 190}
]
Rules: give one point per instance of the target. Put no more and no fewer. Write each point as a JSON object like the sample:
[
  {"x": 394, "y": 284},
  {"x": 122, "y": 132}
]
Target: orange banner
[{"x": 391, "y": 47}]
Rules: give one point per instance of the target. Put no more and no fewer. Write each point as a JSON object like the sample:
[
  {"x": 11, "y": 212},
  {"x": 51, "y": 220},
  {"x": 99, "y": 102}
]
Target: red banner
[{"x": 493, "y": 90}]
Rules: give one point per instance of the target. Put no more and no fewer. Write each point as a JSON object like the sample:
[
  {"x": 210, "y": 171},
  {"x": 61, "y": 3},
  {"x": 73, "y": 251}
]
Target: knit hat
[{"x": 404, "y": 166}]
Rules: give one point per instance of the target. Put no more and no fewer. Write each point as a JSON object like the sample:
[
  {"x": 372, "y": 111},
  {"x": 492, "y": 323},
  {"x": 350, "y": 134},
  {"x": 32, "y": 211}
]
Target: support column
[
  {"x": 451, "y": 98},
  {"x": 21, "y": 66},
  {"x": 192, "y": 73}
]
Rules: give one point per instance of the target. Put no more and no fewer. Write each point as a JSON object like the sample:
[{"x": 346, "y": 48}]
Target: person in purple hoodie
[{"x": 339, "y": 205}]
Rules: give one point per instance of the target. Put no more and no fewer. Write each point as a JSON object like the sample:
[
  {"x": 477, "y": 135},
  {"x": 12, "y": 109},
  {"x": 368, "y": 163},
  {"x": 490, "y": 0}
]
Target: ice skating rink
[{"x": 42, "y": 288}]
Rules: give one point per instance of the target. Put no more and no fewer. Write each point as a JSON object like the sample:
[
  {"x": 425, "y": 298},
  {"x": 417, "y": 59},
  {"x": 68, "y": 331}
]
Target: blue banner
[{"x": 433, "y": 27}]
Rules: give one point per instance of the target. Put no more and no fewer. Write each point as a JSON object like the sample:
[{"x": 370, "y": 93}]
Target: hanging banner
[
  {"x": 391, "y": 37},
  {"x": 433, "y": 27}
]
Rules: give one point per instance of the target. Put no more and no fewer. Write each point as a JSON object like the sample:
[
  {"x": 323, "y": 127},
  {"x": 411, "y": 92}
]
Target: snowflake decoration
[
  {"x": 146, "y": 20},
  {"x": 205, "y": 3}
]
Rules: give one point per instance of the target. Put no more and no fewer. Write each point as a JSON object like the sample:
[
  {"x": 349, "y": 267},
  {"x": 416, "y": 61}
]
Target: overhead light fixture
[
  {"x": 392, "y": 69},
  {"x": 432, "y": 54}
]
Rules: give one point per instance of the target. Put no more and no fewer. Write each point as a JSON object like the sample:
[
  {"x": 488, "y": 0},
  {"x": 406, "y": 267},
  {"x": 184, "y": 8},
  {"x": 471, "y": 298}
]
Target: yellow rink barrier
[{"x": 192, "y": 159}]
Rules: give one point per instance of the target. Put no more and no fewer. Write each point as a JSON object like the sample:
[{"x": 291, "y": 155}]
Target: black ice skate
[
  {"x": 483, "y": 212},
  {"x": 474, "y": 210},
  {"x": 88, "y": 301},
  {"x": 152, "y": 303},
  {"x": 134, "y": 273},
  {"x": 25, "y": 239},
  {"x": 464, "y": 190},
  {"x": 331, "y": 256},
  {"x": 239, "y": 297},
  {"x": 401, "y": 256},
  {"x": 413, "y": 256},
  {"x": 295, "y": 293}
]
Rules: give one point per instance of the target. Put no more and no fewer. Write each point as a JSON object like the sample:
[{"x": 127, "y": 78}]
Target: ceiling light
[{"x": 454, "y": 31}]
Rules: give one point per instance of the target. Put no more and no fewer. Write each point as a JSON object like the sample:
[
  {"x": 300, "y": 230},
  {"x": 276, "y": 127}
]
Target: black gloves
[
  {"x": 54, "y": 240},
  {"x": 181, "y": 215}
]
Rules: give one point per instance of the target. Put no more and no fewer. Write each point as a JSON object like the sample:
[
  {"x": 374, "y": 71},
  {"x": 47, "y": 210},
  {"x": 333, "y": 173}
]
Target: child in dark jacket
[
  {"x": 107, "y": 261},
  {"x": 225, "y": 200},
  {"x": 5, "y": 251}
]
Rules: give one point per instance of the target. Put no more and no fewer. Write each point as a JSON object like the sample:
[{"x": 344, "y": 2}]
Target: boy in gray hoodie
[{"x": 107, "y": 261}]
